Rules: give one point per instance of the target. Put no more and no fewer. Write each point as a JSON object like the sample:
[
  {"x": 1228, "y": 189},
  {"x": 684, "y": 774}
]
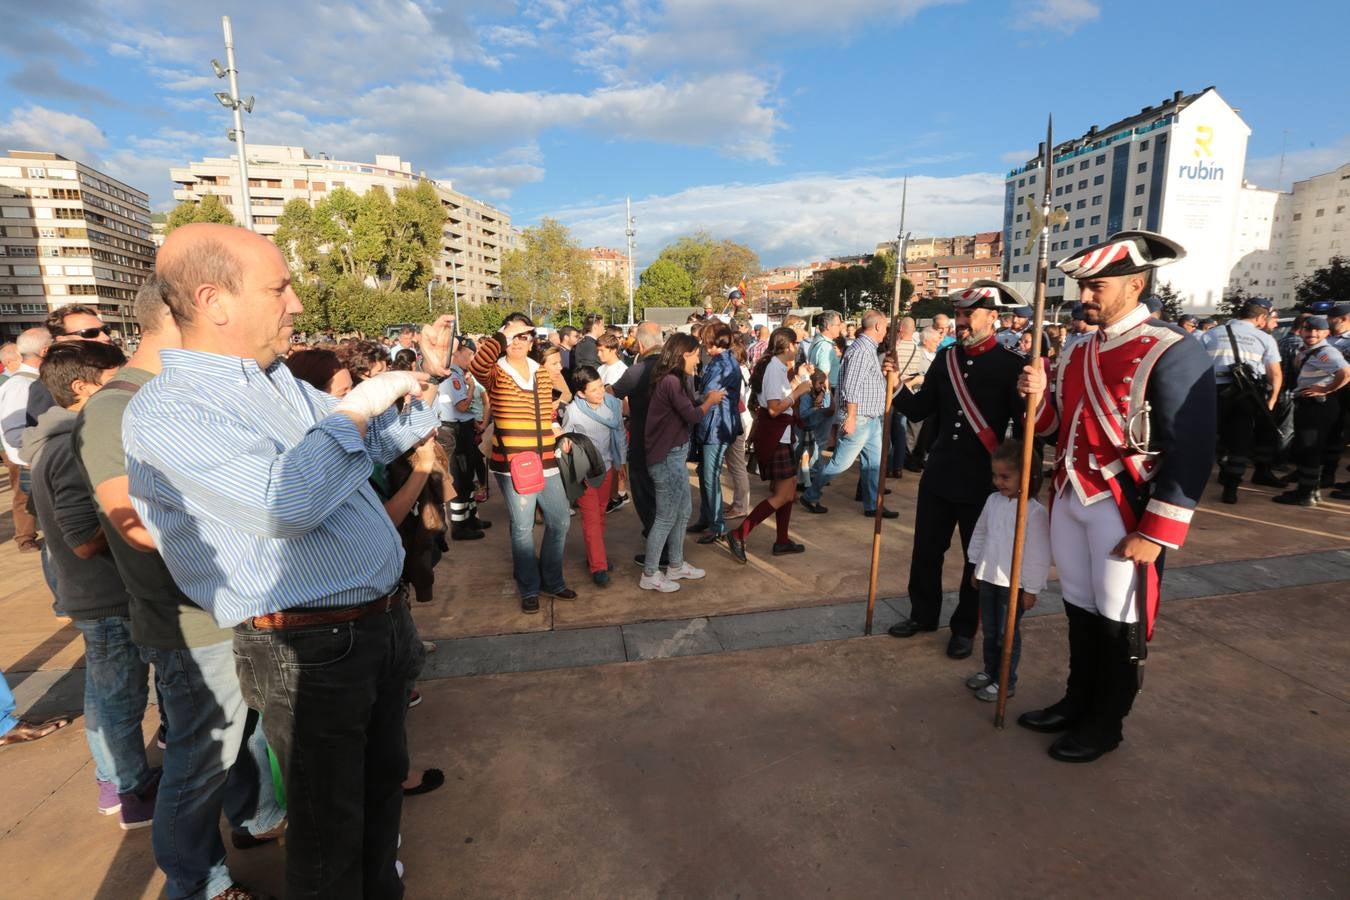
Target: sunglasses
[
  {"x": 89, "y": 333},
  {"x": 524, "y": 337}
]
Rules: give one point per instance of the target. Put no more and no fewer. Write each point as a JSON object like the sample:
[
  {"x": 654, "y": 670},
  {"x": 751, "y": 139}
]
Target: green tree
[
  {"x": 548, "y": 267},
  {"x": 416, "y": 227},
  {"x": 1171, "y": 301},
  {"x": 297, "y": 236},
  {"x": 851, "y": 288},
  {"x": 1233, "y": 301},
  {"x": 663, "y": 283},
  {"x": 611, "y": 298},
  {"x": 210, "y": 209},
  {"x": 1330, "y": 282},
  {"x": 711, "y": 264}
]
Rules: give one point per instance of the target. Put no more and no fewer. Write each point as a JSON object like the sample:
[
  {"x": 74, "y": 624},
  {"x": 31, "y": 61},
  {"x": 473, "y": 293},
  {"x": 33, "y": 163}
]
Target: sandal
[{"x": 24, "y": 732}]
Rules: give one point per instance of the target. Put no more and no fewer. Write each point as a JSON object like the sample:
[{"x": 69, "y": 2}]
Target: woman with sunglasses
[{"x": 520, "y": 392}]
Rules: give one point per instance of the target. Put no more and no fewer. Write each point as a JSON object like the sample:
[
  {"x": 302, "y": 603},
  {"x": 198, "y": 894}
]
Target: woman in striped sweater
[{"x": 520, "y": 392}]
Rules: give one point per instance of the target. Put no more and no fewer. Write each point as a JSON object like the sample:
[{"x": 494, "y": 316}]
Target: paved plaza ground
[{"x": 728, "y": 740}]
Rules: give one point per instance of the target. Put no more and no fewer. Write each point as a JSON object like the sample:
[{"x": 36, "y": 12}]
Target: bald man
[{"x": 255, "y": 488}]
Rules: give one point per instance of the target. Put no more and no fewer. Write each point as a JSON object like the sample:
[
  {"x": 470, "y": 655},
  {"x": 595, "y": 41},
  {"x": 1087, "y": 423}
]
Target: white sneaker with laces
[
  {"x": 658, "y": 582},
  {"x": 684, "y": 570}
]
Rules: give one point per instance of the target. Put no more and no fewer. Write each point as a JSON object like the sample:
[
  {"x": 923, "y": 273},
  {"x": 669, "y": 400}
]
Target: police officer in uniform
[
  {"x": 1338, "y": 318},
  {"x": 455, "y": 406},
  {"x": 1320, "y": 371},
  {"x": 970, "y": 390},
  {"x": 1133, "y": 415},
  {"x": 1240, "y": 413},
  {"x": 1011, "y": 337}
]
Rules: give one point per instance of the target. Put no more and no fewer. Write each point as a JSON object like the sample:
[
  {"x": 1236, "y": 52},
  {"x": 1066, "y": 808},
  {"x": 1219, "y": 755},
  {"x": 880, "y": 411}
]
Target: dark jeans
[
  {"x": 899, "y": 441},
  {"x": 994, "y": 608},
  {"x": 642, "y": 488},
  {"x": 934, "y": 520},
  {"x": 710, "y": 487},
  {"x": 333, "y": 700},
  {"x": 1238, "y": 416}
]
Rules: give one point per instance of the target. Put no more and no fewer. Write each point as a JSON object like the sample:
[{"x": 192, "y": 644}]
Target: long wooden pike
[
  {"x": 1041, "y": 219},
  {"x": 891, "y": 383}
]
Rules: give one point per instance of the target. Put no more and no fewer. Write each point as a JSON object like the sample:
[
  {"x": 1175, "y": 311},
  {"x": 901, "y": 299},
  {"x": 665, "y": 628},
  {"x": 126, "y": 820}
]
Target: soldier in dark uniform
[{"x": 971, "y": 391}]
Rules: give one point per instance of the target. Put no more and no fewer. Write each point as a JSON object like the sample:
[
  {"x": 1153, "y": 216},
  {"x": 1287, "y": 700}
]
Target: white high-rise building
[
  {"x": 69, "y": 234},
  {"x": 1312, "y": 224},
  {"x": 1175, "y": 168},
  {"x": 1256, "y": 256},
  {"x": 474, "y": 235}
]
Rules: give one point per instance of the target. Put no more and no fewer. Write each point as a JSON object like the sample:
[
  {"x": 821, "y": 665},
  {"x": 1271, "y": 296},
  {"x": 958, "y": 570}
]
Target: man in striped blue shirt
[{"x": 255, "y": 488}]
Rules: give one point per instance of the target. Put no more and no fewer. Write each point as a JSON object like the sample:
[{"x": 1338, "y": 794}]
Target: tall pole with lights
[
  {"x": 233, "y": 101},
  {"x": 630, "y": 231}
]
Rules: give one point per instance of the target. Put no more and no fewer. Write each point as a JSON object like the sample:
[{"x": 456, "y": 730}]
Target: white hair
[{"x": 34, "y": 341}]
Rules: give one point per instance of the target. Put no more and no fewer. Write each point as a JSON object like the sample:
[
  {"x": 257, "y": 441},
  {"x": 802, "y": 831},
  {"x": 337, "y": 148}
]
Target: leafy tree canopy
[{"x": 210, "y": 209}]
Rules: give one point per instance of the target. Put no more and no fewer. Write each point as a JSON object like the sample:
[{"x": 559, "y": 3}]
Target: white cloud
[
  {"x": 801, "y": 218},
  {"x": 497, "y": 180},
  {"x": 1302, "y": 163},
  {"x": 1064, "y": 16},
  {"x": 39, "y": 128}
]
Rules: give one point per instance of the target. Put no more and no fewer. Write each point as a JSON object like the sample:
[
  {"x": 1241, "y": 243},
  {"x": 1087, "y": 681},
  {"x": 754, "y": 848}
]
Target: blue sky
[{"x": 786, "y": 124}]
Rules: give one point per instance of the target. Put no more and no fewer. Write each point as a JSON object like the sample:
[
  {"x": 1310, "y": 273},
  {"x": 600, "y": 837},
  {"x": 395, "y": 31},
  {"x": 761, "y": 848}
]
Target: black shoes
[
  {"x": 1267, "y": 478},
  {"x": 710, "y": 538},
  {"x": 908, "y": 628},
  {"x": 1340, "y": 494},
  {"x": 960, "y": 646},
  {"x": 789, "y": 547},
  {"x": 1046, "y": 721},
  {"x": 563, "y": 594},
  {"x": 813, "y": 507},
  {"x": 1229, "y": 493},
  {"x": 461, "y": 531},
  {"x": 1069, "y": 749},
  {"x": 1296, "y": 498},
  {"x": 736, "y": 546},
  {"x": 529, "y": 605},
  {"x": 885, "y": 513}
]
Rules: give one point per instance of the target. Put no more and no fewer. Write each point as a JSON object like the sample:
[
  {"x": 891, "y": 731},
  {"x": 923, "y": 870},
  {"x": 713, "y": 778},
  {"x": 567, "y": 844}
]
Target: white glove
[{"x": 374, "y": 395}]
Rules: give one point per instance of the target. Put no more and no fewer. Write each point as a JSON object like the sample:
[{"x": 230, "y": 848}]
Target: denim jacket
[
  {"x": 722, "y": 423},
  {"x": 816, "y": 421}
]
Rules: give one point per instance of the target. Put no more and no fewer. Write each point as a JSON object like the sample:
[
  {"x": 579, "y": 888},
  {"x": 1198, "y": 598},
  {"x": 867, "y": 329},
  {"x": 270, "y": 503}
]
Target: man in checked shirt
[{"x": 255, "y": 488}]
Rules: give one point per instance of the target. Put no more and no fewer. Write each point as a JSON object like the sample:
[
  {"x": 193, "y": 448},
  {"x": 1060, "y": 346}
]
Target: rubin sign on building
[{"x": 1206, "y": 154}]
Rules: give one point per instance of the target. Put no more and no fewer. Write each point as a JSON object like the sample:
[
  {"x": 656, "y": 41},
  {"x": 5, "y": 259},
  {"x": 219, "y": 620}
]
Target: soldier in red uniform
[{"x": 1133, "y": 415}]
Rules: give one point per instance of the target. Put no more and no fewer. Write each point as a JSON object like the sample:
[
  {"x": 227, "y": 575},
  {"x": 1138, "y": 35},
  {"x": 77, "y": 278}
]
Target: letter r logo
[{"x": 1204, "y": 136}]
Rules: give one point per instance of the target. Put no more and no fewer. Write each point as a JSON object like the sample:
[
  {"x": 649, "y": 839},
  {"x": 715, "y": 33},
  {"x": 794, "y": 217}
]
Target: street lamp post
[
  {"x": 630, "y": 232},
  {"x": 233, "y": 101}
]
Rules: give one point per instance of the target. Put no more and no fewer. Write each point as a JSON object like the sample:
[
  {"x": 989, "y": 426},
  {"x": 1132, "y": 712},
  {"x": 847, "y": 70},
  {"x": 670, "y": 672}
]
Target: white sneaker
[
  {"x": 989, "y": 693},
  {"x": 398, "y": 868},
  {"x": 978, "y": 680},
  {"x": 684, "y": 570},
  {"x": 658, "y": 582}
]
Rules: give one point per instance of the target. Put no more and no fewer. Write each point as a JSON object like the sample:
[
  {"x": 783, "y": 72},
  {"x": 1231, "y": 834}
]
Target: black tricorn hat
[
  {"x": 985, "y": 293},
  {"x": 1124, "y": 253}
]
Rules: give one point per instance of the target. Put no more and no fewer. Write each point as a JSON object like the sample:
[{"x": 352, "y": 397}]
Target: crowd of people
[{"x": 248, "y": 515}]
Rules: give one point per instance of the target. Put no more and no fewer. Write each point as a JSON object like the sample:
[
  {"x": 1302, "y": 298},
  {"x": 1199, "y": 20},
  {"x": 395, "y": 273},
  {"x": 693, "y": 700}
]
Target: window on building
[
  {"x": 1097, "y": 200},
  {"x": 1082, "y": 184},
  {"x": 1021, "y": 182},
  {"x": 1059, "y": 191},
  {"x": 1318, "y": 214},
  {"x": 1298, "y": 217},
  {"x": 1137, "y": 211},
  {"x": 1141, "y": 168},
  {"x": 1143, "y": 145},
  {"x": 1077, "y": 223},
  {"x": 1078, "y": 242},
  {"x": 1138, "y": 189},
  {"x": 1018, "y": 218},
  {"x": 1082, "y": 165},
  {"x": 1095, "y": 220},
  {"x": 1092, "y": 239},
  {"x": 1031, "y": 179}
]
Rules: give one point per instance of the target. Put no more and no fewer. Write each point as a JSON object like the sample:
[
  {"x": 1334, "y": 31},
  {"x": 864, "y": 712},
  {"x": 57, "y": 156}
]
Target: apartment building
[
  {"x": 69, "y": 234},
  {"x": 474, "y": 237},
  {"x": 606, "y": 262},
  {"x": 1174, "y": 168},
  {"x": 939, "y": 276}
]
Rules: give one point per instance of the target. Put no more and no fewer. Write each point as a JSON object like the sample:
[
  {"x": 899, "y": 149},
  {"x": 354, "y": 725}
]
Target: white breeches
[{"x": 1090, "y": 577}]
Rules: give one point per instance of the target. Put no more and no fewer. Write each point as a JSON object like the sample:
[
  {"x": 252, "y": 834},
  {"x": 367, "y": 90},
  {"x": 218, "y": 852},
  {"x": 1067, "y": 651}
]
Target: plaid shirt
[{"x": 860, "y": 378}]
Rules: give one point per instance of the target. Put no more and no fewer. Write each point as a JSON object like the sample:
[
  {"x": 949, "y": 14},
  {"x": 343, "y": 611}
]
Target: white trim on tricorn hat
[
  {"x": 985, "y": 293},
  {"x": 1125, "y": 253}
]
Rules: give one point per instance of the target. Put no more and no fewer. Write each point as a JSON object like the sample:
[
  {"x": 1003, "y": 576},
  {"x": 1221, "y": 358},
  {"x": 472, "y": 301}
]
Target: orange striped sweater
[{"x": 515, "y": 425}]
